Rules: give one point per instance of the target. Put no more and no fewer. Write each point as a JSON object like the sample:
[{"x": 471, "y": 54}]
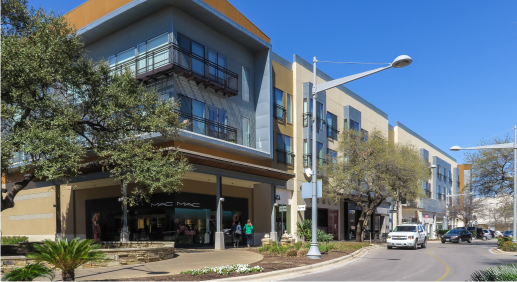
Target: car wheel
[
  {"x": 470, "y": 240},
  {"x": 424, "y": 245},
  {"x": 389, "y": 247},
  {"x": 459, "y": 240},
  {"x": 415, "y": 246},
  {"x": 484, "y": 238}
]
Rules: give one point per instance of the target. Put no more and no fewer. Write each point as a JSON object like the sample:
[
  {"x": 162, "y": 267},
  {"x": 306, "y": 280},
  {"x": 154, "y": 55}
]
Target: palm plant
[
  {"x": 30, "y": 272},
  {"x": 68, "y": 256},
  {"x": 304, "y": 229}
]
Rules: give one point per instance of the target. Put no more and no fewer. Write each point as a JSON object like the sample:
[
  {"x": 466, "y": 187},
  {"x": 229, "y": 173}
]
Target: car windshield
[
  {"x": 455, "y": 231},
  {"x": 405, "y": 229},
  {"x": 508, "y": 232}
]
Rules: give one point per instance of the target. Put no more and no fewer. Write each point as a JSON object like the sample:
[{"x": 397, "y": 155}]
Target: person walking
[
  {"x": 237, "y": 232},
  {"x": 248, "y": 230}
]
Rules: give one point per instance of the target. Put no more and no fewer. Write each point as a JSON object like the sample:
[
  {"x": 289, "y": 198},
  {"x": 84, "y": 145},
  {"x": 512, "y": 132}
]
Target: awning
[{"x": 383, "y": 209}]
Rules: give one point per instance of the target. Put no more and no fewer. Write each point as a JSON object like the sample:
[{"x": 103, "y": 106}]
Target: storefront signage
[
  {"x": 164, "y": 204},
  {"x": 171, "y": 204},
  {"x": 301, "y": 207},
  {"x": 282, "y": 208}
]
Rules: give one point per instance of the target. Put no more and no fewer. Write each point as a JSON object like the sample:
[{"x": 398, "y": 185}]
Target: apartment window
[
  {"x": 319, "y": 114},
  {"x": 332, "y": 155},
  {"x": 246, "y": 132},
  {"x": 284, "y": 149},
  {"x": 307, "y": 112},
  {"x": 345, "y": 123},
  {"x": 354, "y": 125},
  {"x": 245, "y": 85},
  {"x": 321, "y": 157},
  {"x": 365, "y": 135},
  {"x": 289, "y": 108},
  {"x": 214, "y": 72},
  {"x": 427, "y": 189},
  {"x": 306, "y": 155},
  {"x": 438, "y": 192},
  {"x": 279, "y": 104},
  {"x": 218, "y": 122},
  {"x": 332, "y": 126}
]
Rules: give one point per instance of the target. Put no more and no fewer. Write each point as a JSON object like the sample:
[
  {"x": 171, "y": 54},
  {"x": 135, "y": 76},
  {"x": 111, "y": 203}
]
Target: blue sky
[{"x": 461, "y": 86}]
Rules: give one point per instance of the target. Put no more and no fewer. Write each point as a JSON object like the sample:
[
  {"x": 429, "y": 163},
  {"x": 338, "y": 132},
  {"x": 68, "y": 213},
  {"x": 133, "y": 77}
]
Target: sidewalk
[{"x": 183, "y": 260}]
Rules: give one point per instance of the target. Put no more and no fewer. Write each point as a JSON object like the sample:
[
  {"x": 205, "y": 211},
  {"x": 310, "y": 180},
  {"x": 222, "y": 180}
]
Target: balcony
[
  {"x": 208, "y": 127},
  {"x": 171, "y": 58},
  {"x": 284, "y": 156}
]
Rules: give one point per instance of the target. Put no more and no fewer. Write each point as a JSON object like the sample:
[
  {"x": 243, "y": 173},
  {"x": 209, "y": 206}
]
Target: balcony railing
[
  {"x": 208, "y": 127},
  {"x": 169, "y": 58},
  {"x": 332, "y": 133},
  {"x": 284, "y": 156},
  {"x": 307, "y": 160},
  {"x": 280, "y": 111}
]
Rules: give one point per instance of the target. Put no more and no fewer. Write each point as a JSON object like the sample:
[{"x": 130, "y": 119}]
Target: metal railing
[
  {"x": 171, "y": 53},
  {"x": 283, "y": 156},
  {"x": 307, "y": 118},
  {"x": 208, "y": 127},
  {"x": 280, "y": 111}
]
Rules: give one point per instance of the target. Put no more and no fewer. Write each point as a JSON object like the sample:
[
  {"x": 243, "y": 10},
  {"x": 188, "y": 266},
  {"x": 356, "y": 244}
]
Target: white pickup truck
[{"x": 408, "y": 236}]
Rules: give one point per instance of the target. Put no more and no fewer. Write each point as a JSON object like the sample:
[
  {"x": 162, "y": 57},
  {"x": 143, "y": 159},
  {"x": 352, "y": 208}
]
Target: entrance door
[{"x": 333, "y": 223}]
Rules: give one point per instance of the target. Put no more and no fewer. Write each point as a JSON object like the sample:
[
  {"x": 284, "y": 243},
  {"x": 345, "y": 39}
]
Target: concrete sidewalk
[{"x": 181, "y": 262}]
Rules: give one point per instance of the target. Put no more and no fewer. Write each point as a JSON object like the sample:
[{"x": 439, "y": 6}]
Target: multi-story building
[
  {"x": 444, "y": 182},
  {"x": 212, "y": 60}
]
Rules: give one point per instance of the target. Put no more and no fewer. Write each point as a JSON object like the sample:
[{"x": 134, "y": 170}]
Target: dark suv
[{"x": 478, "y": 230}]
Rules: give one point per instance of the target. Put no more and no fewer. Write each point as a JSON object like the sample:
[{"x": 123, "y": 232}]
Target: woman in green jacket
[{"x": 248, "y": 230}]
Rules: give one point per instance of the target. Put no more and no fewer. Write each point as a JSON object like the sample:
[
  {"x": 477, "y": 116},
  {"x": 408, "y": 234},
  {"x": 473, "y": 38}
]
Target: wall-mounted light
[{"x": 221, "y": 200}]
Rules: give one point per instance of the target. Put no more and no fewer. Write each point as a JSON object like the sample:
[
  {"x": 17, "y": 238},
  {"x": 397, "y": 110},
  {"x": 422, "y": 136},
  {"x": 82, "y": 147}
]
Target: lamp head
[
  {"x": 455, "y": 148},
  {"x": 308, "y": 172},
  {"x": 433, "y": 166},
  {"x": 401, "y": 61}
]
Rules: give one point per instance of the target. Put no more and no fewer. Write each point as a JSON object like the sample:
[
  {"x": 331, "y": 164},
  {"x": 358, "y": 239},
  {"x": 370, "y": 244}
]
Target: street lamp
[
  {"x": 399, "y": 62},
  {"x": 504, "y": 146}
]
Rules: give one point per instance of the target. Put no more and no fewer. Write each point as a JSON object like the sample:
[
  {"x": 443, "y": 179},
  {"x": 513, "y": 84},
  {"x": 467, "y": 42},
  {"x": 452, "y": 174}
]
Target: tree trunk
[
  {"x": 68, "y": 275},
  {"x": 362, "y": 222},
  {"x": 8, "y": 199}
]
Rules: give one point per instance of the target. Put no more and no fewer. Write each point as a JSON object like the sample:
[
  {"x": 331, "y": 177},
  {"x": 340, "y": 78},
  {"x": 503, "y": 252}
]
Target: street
[{"x": 447, "y": 262}]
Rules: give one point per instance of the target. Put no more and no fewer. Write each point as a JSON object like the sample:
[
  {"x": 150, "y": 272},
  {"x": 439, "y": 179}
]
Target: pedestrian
[
  {"x": 237, "y": 232},
  {"x": 248, "y": 229}
]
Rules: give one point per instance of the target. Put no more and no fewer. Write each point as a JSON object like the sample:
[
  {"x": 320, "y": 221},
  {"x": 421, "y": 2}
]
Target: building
[{"x": 430, "y": 211}]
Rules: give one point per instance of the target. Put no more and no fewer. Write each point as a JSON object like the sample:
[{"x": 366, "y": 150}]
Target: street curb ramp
[{"x": 308, "y": 269}]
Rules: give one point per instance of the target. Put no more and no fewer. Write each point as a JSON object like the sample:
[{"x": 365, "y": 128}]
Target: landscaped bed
[{"x": 272, "y": 261}]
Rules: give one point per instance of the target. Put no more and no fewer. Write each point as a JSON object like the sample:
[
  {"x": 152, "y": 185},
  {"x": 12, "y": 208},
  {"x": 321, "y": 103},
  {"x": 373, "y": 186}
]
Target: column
[
  {"x": 124, "y": 235},
  {"x": 219, "y": 235},
  {"x": 273, "y": 235},
  {"x": 57, "y": 191}
]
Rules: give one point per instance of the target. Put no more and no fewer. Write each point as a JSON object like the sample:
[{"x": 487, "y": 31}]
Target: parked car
[
  {"x": 492, "y": 233},
  {"x": 486, "y": 235},
  {"x": 498, "y": 234},
  {"x": 508, "y": 233},
  {"x": 407, "y": 236},
  {"x": 457, "y": 236},
  {"x": 478, "y": 230}
]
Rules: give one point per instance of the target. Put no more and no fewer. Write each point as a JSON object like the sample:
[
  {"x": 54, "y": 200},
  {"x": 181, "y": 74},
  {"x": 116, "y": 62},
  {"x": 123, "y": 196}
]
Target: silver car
[{"x": 486, "y": 235}]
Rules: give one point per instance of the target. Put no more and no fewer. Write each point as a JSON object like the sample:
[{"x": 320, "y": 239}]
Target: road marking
[{"x": 446, "y": 266}]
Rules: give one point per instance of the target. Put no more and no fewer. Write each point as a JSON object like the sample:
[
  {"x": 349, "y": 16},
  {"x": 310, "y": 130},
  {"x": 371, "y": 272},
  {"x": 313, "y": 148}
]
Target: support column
[
  {"x": 124, "y": 235},
  {"x": 57, "y": 189},
  {"x": 219, "y": 235},
  {"x": 273, "y": 235}
]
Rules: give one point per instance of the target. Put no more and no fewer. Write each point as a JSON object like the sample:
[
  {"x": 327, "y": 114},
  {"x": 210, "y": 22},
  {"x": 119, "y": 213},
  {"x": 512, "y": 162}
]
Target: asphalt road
[{"x": 447, "y": 262}]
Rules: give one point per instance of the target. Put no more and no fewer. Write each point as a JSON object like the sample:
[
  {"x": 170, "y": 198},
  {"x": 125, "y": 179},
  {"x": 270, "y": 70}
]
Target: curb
[
  {"x": 286, "y": 273},
  {"x": 497, "y": 251}
]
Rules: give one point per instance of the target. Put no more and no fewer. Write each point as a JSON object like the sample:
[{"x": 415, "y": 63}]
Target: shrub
[
  {"x": 298, "y": 245},
  {"x": 30, "y": 272},
  {"x": 226, "y": 269},
  {"x": 274, "y": 250},
  {"x": 324, "y": 237},
  {"x": 264, "y": 249},
  {"x": 304, "y": 229},
  {"x": 292, "y": 253},
  {"x": 324, "y": 248},
  {"x": 498, "y": 273},
  {"x": 509, "y": 246},
  {"x": 441, "y": 232},
  {"x": 13, "y": 240},
  {"x": 303, "y": 252},
  {"x": 502, "y": 240}
]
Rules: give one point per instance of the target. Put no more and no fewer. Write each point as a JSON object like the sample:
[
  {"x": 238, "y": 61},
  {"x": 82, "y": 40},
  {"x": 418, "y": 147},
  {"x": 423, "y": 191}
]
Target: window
[
  {"x": 320, "y": 153},
  {"x": 279, "y": 104},
  {"x": 218, "y": 122},
  {"x": 284, "y": 149},
  {"x": 289, "y": 108},
  {"x": 438, "y": 189},
  {"x": 214, "y": 72},
  {"x": 332, "y": 126},
  {"x": 306, "y": 155},
  {"x": 194, "y": 112},
  {"x": 332, "y": 154},
  {"x": 365, "y": 135},
  {"x": 307, "y": 112},
  {"x": 354, "y": 125},
  {"x": 246, "y": 132},
  {"x": 159, "y": 56},
  {"x": 345, "y": 127},
  {"x": 245, "y": 85},
  {"x": 320, "y": 113},
  {"x": 427, "y": 189}
]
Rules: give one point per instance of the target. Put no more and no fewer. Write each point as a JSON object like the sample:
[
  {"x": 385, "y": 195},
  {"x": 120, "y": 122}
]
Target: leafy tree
[
  {"x": 492, "y": 169},
  {"x": 29, "y": 272},
  {"x": 62, "y": 113},
  {"x": 67, "y": 256},
  {"x": 371, "y": 171}
]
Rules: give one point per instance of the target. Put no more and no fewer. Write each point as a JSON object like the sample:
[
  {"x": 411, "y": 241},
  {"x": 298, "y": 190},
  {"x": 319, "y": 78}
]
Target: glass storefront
[
  {"x": 283, "y": 219},
  {"x": 186, "y": 218}
]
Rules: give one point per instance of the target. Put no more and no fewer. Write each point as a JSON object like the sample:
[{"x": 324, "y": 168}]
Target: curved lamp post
[
  {"x": 504, "y": 146},
  {"x": 399, "y": 62}
]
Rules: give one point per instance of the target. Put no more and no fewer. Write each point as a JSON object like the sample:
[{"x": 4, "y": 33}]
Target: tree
[
  {"x": 467, "y": 208},
  {"x": 371, "y": 170},
  {"x": 61, "y": 113},
  {"x": 492, "y": 169},
  {"x": 67, "y": 256}
]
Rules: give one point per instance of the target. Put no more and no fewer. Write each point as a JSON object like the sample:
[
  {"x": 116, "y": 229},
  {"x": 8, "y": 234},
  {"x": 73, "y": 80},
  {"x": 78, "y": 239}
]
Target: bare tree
[{"x": 467, "y": 208}]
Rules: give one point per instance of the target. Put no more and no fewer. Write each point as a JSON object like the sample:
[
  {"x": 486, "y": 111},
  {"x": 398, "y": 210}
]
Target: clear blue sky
[{"x": 461, "y": 86}]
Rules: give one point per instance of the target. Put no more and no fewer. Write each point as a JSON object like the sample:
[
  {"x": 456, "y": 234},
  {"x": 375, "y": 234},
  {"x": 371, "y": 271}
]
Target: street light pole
[
  {"x": 399, "y": 62},
  {"x": 504, "y": 146}
]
